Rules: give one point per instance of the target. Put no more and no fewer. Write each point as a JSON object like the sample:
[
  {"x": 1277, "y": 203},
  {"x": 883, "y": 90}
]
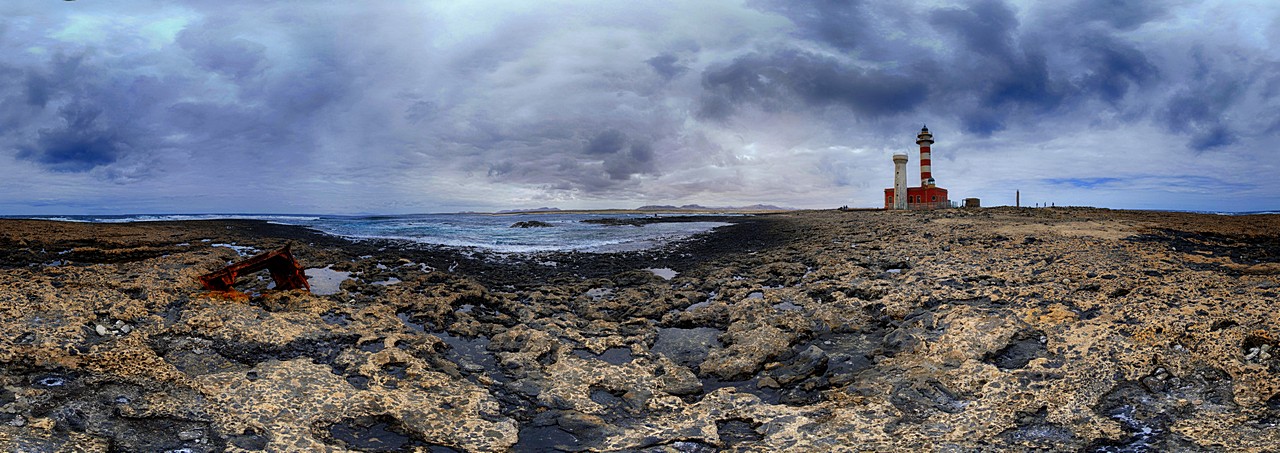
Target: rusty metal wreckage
[{"x": 284, "y": 268}]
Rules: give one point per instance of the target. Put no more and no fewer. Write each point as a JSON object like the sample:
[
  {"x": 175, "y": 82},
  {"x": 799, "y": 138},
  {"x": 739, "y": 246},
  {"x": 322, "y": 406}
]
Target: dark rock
[
  {"x": 372, "y": 434},
  {"x": 680, "y": 382},
  {"x": 805, "y": 364},
  {"x": 589, "y": 429},
  {"x": 919, "y": 401},
  {"x": 613, "y": 356},
  {"x": 1147, "y": 409},
  {"x": 1034, "y": 432},
  {"x": 544, "y": 439},
  {"x": 531, "y": 224},
  {"x": 250, "y": 440},
  {"x": 1023, "y": 347},
  {"x": 734, "y": 432},
  {"x": 688, "y": 347}
]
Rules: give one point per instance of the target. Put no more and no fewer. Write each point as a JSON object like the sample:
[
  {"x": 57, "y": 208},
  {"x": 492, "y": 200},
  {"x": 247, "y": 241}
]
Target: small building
[{"x": 925, "y": 196}]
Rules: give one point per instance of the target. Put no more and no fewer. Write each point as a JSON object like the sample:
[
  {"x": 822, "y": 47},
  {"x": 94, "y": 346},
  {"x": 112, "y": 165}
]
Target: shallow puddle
[
  {"x": 324, "y": 280},
  {"x": 665, "y": 272},
  {"x": 688, "y": 347}
]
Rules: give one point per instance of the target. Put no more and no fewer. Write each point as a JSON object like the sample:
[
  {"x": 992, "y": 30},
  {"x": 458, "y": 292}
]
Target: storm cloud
[{"x": 390, "y": 107}]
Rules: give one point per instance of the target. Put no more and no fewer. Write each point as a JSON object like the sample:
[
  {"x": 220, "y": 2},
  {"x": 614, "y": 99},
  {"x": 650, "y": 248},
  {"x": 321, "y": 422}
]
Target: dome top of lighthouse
[{"x": 924, "y": 137}]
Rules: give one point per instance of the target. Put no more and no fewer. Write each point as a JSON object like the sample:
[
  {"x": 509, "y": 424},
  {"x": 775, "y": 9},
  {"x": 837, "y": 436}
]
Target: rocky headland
[{"x": 1000, "y": 329}]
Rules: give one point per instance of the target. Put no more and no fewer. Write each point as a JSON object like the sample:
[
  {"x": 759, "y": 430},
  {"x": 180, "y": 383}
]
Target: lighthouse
[
  {"x": 899, "y": 181},
  {"x": 928, "y": 195},
  {"x": 925, "y": 140}
]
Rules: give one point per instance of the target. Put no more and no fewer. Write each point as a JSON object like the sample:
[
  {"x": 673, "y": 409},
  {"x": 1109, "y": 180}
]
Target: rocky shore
[{"x": 1001, "y": 329}]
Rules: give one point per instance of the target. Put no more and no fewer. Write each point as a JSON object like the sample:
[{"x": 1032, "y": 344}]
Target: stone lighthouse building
[{"x": 928, "y": 195}]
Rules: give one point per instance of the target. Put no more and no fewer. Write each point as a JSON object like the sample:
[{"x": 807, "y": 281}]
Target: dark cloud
[
  {"x": 623, "y": 157},
  {"x": 224, "y": 126},
  {"x": 607, "y": 142},
  {"x": 997, "y": 68},
  {"x": 38, "y": 89},
  {"x": 668, "y": 66},
  {"x": 986, "y": 27},
  {"x": 638, "y": 158},
  {"x": 1198, "y": 113},
  {"x": 80, "y": 144},
  {"x": 1123, "y": 15},
  {"x": 501, "y": 168},
  {"x": 79, "y": 116},
  {"x": 790, "y": 79},
  {"x": 1114, "y": 67},
  {"x": 62, "y": 73},
  {"x": 1214, "y": 136},
  {"x": 839, "y": 23},
  {"x": 216, "y": 48}
]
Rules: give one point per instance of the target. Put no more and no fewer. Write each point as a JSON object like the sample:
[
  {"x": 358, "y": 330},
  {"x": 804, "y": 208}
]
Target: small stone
[
  {"x": 1066, "y": 281},
  {"x": 18, "y": 421},
  {"x": 191, "y": 434},
  {"x": 100, "y": 329},
  {"x": 126, "y": 328}
]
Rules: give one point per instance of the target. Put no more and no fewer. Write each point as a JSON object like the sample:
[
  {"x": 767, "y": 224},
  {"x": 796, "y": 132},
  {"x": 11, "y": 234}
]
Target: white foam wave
[
  {"x": 501, "y": 248},
  {"x": 282, "y": 219}
]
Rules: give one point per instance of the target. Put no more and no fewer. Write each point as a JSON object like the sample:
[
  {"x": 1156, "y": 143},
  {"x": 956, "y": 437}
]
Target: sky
[{"x": 342, "y": 107}]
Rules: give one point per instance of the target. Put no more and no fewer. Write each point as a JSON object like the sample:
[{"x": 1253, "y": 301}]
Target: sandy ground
[{"x": 1002, "y": 329}]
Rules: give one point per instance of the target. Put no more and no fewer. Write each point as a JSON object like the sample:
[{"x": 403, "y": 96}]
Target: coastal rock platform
[{"x": 998, "y": 329}]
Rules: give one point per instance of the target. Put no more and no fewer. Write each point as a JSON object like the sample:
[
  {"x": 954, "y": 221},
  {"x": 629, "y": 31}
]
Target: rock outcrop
[{"x": 993, "y": 329}]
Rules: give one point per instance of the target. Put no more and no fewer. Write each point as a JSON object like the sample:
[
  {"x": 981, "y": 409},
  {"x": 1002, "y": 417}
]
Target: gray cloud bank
[{"x": 404, "y": 107}]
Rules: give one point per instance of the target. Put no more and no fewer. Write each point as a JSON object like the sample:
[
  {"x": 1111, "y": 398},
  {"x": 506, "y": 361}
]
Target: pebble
[
  {"x": 100, "y": 329},
  {"x": 191, "y": 434}
]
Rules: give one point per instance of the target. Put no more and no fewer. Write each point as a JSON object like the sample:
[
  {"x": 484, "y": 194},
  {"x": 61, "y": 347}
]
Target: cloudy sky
[{"x": 389, "y": 106}]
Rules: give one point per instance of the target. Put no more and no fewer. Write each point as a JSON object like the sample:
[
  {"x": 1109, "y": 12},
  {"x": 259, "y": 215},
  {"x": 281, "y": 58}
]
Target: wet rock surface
[{"x": 958, "y": 330}]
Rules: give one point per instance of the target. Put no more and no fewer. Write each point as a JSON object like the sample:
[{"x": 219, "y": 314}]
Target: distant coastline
[{"x": 657, "y": 209}]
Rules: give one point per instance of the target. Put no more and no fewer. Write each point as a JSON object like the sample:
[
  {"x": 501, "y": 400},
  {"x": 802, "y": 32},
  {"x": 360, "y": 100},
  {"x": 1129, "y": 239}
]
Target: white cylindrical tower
[{"x": 899, "y": 181}]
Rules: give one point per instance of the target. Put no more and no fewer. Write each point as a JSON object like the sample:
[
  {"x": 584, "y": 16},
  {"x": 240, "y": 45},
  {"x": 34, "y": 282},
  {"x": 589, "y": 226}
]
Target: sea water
[{"x": 567, "y": 232}]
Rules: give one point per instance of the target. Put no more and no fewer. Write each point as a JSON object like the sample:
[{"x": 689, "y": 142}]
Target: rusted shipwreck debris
[{"x": 285, "y": 270}]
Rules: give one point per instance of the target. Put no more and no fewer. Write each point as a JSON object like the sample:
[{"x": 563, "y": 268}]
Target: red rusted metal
[{"x": 285, "y": 270}]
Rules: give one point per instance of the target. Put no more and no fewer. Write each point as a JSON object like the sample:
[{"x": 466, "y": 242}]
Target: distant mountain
[
  {"x": 697, "y": 207},
  {"x": 542, "y": 209}
]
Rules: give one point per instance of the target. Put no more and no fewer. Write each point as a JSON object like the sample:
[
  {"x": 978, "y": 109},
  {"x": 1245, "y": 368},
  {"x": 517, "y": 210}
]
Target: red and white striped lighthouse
[
  {"x": 928, "y": 195},
  {"x": 925, "y": 139}
]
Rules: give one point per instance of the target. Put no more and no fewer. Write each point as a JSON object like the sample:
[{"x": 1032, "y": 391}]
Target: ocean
[{"x": 494, "y": 233}]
